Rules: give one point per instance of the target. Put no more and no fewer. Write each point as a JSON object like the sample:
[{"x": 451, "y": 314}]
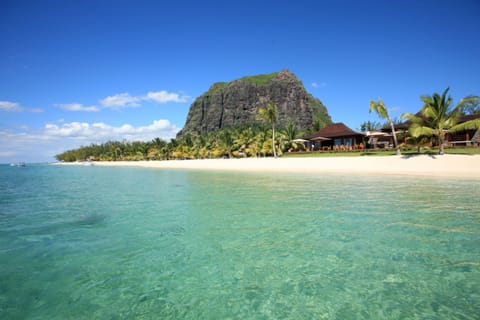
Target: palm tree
[
  {"x": 471, "y": 107},
  {"x": 225, "y": 142},
  {"x": 269, "y": 114},
  {"x": 370, "y": 126},
  {"x": 257, "y": 143},
  {"x": 291, "y": 133},
  {"x": 317, "y": 125},
  {"x": 437, "y": 118},
  {"x": 244, "y": 140},
  {"x": 381, "y": 110}
]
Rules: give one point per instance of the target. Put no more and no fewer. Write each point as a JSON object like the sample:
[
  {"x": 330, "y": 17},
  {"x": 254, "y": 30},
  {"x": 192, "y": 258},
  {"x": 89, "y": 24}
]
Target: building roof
[
  {"x": 334, "y": 130},
  {"x": 468, "y": 117}
]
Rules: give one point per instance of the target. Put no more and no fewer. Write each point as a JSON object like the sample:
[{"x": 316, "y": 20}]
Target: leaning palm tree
[
  {"x": 381, "y": 110},
  {"x": 437, "y": 117},
  {"x": 269, "y": 114}
]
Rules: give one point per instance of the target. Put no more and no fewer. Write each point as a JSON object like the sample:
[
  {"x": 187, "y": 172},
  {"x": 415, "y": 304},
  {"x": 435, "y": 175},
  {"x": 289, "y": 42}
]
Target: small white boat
[{"x": 18, "y": 164}]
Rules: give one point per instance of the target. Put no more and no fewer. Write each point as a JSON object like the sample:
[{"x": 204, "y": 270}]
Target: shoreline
[{"x": 451, "y": 166}]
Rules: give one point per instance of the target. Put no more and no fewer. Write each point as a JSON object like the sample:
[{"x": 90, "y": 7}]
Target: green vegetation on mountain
[{"x": 260, "y": 80}]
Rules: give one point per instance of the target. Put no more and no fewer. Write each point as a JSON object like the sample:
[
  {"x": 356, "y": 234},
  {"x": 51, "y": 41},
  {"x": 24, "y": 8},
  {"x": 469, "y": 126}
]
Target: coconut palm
[
  {"x": 317, "y": 125},
  {"x": 290, "y": 133},
  {"x": 370, "y": 126},
  {"x": 225, "y": 142},
  {"x": 437, "y": 117},
  {"x": 381, "y": 110},
  {"x": 244, "y": 139},
  {"x": 269, "y": 114},
  {"x": 471, "y": 107}
]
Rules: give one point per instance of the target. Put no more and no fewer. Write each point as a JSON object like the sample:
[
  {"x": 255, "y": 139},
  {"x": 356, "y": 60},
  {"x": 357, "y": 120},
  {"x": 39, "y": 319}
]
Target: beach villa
[
  {"x": 336, "y": 136},
  {"x": 452, "y": 139},
  {"x": 465, "y": 138}
]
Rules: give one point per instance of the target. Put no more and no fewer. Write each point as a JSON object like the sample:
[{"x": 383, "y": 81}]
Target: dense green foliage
[
  {"x": 252, "y": 141},
  {"x": 320, "y": 114}
]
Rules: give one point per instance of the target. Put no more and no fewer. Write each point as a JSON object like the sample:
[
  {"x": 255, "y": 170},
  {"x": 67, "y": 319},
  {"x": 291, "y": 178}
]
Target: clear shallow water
[{"x": 124, "y": 243}]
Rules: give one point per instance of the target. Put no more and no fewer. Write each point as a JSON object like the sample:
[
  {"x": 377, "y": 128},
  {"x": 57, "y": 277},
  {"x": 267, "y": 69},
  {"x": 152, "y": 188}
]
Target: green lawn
[
  {"x": 471, "y": 150},
  {"x": 380, "y": 152}
]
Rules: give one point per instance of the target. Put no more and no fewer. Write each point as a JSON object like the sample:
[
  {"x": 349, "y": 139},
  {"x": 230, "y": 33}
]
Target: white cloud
[
  {"x": 77, "y": 107},
  {"x": 16, "y": 146},
  {"x": 9, "y": 106},
  {"x": 42, "y": 145},
  {"x": 5, "y": 154},
  {"x": 164, "y": 97},
  {"x": 97, "y": 132},
  {"x": 125, "y": 100},
  {"x": 34, "y": 110},
  {"x": 122, "y": 100},
  {"x": 318, "y": 85}
]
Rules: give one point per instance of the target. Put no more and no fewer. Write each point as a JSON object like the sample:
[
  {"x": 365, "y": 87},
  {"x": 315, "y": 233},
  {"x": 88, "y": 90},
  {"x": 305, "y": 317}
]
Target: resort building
[
  {"x": 464, "y": 138},
  {"x": 335, "y": 136},
  {"x": 452, "y": 139},
  {"x": 339, "y": 137}
]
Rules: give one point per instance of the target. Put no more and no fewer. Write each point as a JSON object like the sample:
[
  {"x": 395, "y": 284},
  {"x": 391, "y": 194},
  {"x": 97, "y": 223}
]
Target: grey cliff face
[{"x": 236, "y": 103}]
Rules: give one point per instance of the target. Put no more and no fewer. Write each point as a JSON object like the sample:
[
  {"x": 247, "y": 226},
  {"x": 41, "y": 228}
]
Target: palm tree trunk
[
  {"x": 441, "y": 140},
  {"x": 273, "y": 142},
  {"x": 395, "y": 138}
]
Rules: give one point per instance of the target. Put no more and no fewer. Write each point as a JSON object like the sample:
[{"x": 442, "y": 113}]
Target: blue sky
[{"x": 79, "y": 72}]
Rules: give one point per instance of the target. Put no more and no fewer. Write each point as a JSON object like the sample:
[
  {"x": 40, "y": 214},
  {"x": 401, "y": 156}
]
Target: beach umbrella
[
  {"x": 299, "y": 140},
  {"x": 376, "y": 134},
  {"x": 320, "y": 139}
]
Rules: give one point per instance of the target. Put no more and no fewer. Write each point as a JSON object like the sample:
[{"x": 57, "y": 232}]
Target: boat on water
[{"x": 18, "y": 164}]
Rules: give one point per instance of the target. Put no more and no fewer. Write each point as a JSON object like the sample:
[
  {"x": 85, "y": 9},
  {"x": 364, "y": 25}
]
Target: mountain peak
[
  {"x": 236, "y": 103},
  {"x": 286, "y": 74}
]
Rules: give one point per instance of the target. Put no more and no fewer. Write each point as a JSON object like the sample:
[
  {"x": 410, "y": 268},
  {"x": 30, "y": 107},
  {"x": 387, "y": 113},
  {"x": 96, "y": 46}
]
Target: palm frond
[
  {"x": 412, "y": 118},
  {"x": 419, "y": 130},
  {"x": 379, "y": 108},
  {"x": 466, "y": 102},
  {"x": 468, "y": 125}
]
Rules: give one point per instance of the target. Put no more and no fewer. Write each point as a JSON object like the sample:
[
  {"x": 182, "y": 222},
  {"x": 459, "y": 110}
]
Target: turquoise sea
[{"x": 132, "y": 243}]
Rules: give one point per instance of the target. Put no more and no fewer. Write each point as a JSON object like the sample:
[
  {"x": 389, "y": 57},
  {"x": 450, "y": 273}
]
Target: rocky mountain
[{"x": 236, "y": 103}]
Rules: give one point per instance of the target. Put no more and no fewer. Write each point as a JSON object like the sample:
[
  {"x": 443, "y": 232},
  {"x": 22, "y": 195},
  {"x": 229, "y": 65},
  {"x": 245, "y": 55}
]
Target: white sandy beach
[{"x": 455, "y": 166}]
